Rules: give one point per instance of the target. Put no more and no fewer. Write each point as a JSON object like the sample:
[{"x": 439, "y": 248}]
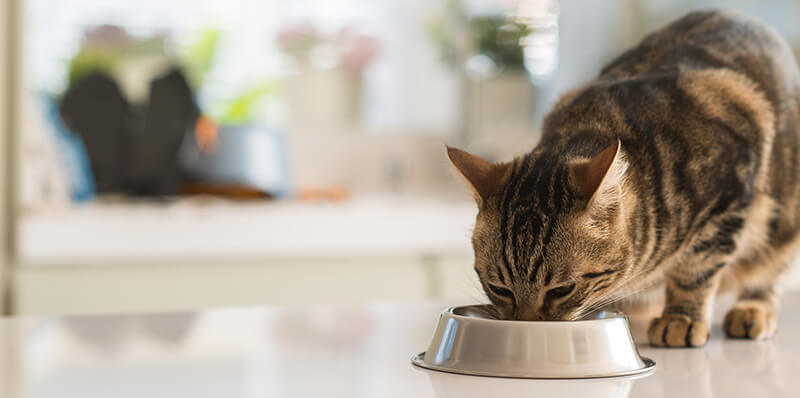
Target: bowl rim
[
  {"x": 418, "y": 361},
  {"x": 613, "y": 315}
]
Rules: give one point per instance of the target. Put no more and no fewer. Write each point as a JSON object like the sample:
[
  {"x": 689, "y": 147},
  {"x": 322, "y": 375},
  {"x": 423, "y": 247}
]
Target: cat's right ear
[
  {"x": 484, "y": 178},
  {"x": 598, "y": 179}
]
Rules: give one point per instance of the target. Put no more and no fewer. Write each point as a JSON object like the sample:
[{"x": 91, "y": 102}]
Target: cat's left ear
[
  {"x": 484, "y": 178},
  {"x": 599, "y": 179}
]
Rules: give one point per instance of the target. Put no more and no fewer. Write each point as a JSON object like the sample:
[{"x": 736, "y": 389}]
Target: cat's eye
[
  {"x": 501, "y": 291},
  {"x": 560, "y": 291}
]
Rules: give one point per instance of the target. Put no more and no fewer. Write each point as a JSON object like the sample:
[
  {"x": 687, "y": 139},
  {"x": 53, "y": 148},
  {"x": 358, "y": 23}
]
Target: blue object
[
  {"x": 73, "y": 152},
  {"x": 247, "y": 154}
]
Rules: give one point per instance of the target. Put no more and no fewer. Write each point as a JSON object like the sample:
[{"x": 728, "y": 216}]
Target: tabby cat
[{"x": 676, "y": 169}]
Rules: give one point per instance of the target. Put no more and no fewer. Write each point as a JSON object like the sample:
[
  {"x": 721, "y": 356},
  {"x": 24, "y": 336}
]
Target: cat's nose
[{"x": 529, "y": 314}]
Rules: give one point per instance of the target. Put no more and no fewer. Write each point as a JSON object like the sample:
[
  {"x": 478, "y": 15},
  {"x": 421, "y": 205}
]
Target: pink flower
[{"x": 358, "y": 50}]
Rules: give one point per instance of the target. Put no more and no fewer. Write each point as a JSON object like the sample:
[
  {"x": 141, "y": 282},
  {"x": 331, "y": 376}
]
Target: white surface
[
  {"x": 346, "y": 351},
  {"x": 186, "y": 230},
  {"x": 131, "y": 288}
]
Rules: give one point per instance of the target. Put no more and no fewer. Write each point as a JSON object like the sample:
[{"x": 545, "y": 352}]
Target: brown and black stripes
[
  {"x": 679, "y": 166},
  {"x": 699, "y": 277},
  {"x": 534, "y": 195},
  {"x": 723, "y": 241}
]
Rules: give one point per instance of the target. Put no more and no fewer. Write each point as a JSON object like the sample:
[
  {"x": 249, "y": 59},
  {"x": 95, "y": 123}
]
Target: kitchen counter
[
  {"x": 339, "y": 351},
  {"x": 198, "y": 228}
]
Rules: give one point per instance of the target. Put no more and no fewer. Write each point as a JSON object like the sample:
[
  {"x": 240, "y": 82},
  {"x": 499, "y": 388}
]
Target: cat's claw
[
  {"x": 750, "y": 321},
  {"x": 677, "y": 330}
]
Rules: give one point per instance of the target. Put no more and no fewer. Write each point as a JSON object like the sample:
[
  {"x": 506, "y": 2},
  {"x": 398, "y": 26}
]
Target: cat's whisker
[{"x": 609, "y": 299}]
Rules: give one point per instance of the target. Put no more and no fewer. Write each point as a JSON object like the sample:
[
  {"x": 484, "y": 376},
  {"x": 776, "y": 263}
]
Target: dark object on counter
[
  {"x": 154, "y": 167},
  {"x": 95, "y": 109},
  {"x": 229, "y": 191},
  {"x": 132, "y": 150}
]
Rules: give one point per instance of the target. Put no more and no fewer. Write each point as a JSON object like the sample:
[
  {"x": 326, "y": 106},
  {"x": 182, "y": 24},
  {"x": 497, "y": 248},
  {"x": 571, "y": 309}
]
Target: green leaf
[
  {"x": 243, "y": 108},
  {"x": 198, "y": 57},
  {"x": 92, "y": 60}
]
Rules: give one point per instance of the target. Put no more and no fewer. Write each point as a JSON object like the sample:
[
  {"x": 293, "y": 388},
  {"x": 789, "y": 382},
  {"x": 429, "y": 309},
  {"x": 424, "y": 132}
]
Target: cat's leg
[
  {"x": 754, "y": 316},
  {"x": 685, "y": 320}
]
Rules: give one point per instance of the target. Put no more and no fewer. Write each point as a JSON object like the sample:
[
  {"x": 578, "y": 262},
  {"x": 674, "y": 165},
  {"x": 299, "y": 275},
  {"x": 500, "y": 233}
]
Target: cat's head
[{"x": 551, "y": 238}]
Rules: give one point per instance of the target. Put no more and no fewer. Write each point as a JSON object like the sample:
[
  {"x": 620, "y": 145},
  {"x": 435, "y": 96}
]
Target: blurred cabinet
[
  {"x": 121, "y": 288},
  {"x": 70, "y": 289},
  {"x": 191, "y": 255},
  {"x": 458, "y": 280}
]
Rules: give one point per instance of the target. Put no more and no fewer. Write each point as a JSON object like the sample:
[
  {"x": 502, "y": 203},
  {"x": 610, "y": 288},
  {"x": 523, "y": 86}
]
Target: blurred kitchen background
[{"x": 181, "y": 154}]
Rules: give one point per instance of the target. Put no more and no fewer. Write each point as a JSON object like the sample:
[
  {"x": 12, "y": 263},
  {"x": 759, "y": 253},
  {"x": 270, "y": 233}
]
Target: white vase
[
  {"x": 323, "y": 99},
  {"x": 504, "y": 102}
]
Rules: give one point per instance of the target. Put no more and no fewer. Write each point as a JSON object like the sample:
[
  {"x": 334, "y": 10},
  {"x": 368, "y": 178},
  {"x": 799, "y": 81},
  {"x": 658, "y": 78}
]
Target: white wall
[{"x": 792, "y": 281}]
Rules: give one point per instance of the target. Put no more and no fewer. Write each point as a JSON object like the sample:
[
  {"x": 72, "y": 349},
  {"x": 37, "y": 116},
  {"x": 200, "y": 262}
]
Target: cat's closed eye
[
  {"x": 501, "y": 291},
  {"x": 560, "y": 291}
]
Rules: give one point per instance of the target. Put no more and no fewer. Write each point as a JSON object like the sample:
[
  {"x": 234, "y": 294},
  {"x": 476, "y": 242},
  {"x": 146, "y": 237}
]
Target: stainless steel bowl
[{"x": 469, "y": 341}]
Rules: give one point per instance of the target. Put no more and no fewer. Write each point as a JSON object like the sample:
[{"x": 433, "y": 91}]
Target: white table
[{"x": 345, "y": 351}]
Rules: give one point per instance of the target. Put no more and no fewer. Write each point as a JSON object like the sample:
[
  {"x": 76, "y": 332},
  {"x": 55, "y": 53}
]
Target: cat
[{"x": 677, "y": 168}]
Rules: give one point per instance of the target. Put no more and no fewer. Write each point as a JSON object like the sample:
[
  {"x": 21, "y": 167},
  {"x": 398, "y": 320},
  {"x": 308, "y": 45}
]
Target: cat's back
[
  {"x": 705, "y": 54},
  {"x": 713, "y": 39},
  {"x": 708, "y": 108}
]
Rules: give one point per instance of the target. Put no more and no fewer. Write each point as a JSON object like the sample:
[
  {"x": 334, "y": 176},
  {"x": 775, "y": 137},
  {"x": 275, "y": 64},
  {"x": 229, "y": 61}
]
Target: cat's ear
[
  {"x": 484, "y": 178},
  {"x": 599, "y": 178}
]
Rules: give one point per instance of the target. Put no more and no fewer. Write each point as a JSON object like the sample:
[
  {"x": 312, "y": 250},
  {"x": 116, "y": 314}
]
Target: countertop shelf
[{"x": 203, "y": 229}]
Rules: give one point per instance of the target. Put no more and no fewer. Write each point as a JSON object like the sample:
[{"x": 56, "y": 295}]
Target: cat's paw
[
  {"x": 755, "y": 321},
  {"x": 677, "y": 330}
]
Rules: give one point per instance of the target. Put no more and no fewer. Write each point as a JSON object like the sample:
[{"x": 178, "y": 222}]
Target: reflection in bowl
[
  {"x": 468, "y": 340},
  {"x": 446, "y": 385}
]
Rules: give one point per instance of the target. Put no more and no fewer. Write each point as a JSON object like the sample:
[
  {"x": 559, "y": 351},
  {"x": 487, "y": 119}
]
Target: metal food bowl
[{"x": 470, "y": 341}]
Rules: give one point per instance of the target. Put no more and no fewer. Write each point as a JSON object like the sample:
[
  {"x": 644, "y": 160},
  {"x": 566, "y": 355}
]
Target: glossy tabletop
[{"x": 348, "y": 351}]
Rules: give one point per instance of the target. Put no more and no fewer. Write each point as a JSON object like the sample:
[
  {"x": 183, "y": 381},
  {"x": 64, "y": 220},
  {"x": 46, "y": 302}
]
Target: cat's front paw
[
  {"x": 677, "y": 330},
  {"x": 750, "y": 321}
]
